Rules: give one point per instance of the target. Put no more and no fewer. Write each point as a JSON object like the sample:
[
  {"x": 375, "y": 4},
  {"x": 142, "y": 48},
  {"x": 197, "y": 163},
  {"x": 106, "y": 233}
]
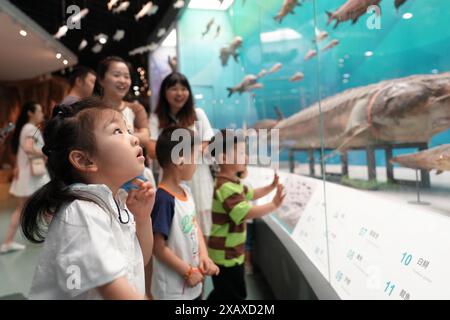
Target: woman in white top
[
  {"x": 26, "y": 143},
  {"x": 176, "y": 106}
]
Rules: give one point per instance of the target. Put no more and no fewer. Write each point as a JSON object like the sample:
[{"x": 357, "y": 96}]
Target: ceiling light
[
  {"x": 65, "y": 61},
  {"x": 58, "y": 55},
  {"x": 23, "y": 33},
  {"x": 368, "y": 53}
]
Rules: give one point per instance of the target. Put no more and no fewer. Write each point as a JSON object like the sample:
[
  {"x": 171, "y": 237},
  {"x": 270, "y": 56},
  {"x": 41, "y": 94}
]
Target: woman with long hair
[{"x": 27, "y": 143}]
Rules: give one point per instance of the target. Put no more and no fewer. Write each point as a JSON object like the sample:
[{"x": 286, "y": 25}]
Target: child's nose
[{"x": 134, "y": 140}]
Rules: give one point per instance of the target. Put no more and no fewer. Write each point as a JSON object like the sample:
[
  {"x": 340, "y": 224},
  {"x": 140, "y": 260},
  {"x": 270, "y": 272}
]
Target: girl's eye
[{"x": 117, "y": 131}]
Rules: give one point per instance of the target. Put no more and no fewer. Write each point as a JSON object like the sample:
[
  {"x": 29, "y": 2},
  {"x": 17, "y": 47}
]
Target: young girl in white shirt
[{"x": 97, "y": 242}]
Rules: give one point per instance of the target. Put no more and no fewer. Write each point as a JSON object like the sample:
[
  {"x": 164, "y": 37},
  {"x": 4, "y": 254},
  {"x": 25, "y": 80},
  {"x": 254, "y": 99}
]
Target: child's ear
[{"x": 81, "y": 162}]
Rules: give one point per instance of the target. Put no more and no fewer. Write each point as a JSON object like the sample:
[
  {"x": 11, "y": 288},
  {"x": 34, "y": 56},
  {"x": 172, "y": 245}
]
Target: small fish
[
  {"x": 297, "y": 77},
  {"x": 332, "y": 44},
  {"x": 262, "y": 73},
  {"x": 288, "y": 7},
  {"x": 122, "y": 7},
  {"x": 161, "y": 32},
  {"x": 147, "y": 9},
  {"x": 82, "y": 45},
  {"x": 80, "y": 15},
  {"x": 351, "y": 10},
  {"x": 61, "y": 32},
  {"x": 119, "y": 35},
  {"x": 101, "y": 36},
  {"x": 231, "y": 50},
  {"x": 399, "y": 3},
  {"x": 179, "y": 4},
  {"x": 217, "y": 31},
  {"x": 173, "y": 62},
  {"x": 437, "y": 158},
  {"x": 320, "y": 35},
  {"x": 97, "y": 48},
  {"x": 247, "y": 84},
  {"x": 208, "y": 27},
  {"x": 310, "y": 54},
  {"x": 151, "y": 47},
  {"x": 276, "y": 67},
  {"x": 111, "y": 4}
]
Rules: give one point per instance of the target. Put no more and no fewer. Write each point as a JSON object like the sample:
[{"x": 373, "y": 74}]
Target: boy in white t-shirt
[{"x": 180, "y": 255}]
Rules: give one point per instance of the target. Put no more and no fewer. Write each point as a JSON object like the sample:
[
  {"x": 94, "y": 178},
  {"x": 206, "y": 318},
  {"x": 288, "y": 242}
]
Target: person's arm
[
  {"x": 263, "y": 191},
  {"x": 141, "y": 202},
  {"x": 30, "y": 148},
  {"x": 119, "y": 289},
  {"x": 167, "y": 256},
  {"x": 262, "y": 210}
]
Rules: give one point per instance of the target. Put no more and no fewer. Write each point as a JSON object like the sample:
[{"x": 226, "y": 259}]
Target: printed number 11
[{"x": 389, "y": 287}]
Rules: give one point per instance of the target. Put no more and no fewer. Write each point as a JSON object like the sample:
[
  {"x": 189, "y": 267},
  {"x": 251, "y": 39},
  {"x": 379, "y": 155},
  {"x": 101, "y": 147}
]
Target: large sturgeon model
[{"x": 411, "y": 109}]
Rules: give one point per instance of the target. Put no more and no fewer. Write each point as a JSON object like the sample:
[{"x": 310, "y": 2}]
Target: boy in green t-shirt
[{"x": 231, "y": 208}]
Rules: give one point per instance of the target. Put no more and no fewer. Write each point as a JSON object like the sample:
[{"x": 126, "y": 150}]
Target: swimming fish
[
  {"x": 297, "y": 77},
  {"x": 61, "y": 32},
  {"x": 179, "y": 4},
  {"x": 276, "y": 67},
  {"x": 310, "y": 54},
  {"x": 262, "y": 73},
  {"x": 119, "y": 35},
  {"x": 331, "y": 45},
  {"x": 208, "y": 27},
  {"x": 111, "y": 4},
  {"x": 147, "y": 9},
  {"x": 231, "y": 50},
  {"x": 288, "y": 7},
  {"x": 351, "y": 10},
  {"x": 247, "y": 84},
  {"x": 217, "y": 31},
  {"x": 122, "y": 7},
  {"x": 320, "y": 35}
]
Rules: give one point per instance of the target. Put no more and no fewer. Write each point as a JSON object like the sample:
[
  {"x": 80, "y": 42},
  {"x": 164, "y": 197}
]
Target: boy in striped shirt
[{"x": 231, "y": 208}]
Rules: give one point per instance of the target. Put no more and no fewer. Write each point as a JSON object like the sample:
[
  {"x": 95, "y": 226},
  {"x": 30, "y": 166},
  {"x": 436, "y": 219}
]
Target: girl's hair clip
[{"x": 63, "y": 111}]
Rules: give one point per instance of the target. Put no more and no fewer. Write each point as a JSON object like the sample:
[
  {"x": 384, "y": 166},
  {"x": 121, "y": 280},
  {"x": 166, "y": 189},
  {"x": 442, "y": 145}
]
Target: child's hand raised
[
  {"x": 279, "y": 196},
  {"x": 140, "y": 201},
  {"x": 275, "y": 181}
]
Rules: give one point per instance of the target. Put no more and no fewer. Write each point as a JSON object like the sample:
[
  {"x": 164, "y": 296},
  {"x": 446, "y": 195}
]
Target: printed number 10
[{"x": 406, "y": 259}]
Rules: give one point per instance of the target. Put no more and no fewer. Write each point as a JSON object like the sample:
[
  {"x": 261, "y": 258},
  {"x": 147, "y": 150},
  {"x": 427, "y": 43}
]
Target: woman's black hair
[
  {"x": 21, "y": 121},
  {"x": 186, "y": 116},
  {"x": 71, "y": 128}
]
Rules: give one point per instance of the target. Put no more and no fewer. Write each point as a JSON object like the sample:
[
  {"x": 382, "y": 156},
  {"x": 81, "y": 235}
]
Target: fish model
[
  {"x": 320, "y": 35},
  {"x": 217, "y": 31},
  {"x": 275, "y": 68},
  {"x": 351, "y": 10},
  {"x": 179, "y": 4},
  {"x": 287, "y": 7},
  {"x": 248, "y": 83},
  {"x": 297, "y": 77},
  {"x": 405, "y": 110},
  {"x": 82, "y": 45},
  {"x": 122, "y": 7},
  {"x": 231, "y": 50},
  {"x": 61, "y": 32},
  {"x": 151, "y": 47},
  {"x": 147, "y": 9},
  {"x": 119, "y": 35},
  {"x": 208, "y": 27},
  {"x": 437, "y": 158},
  {"x": 310, "y": 54},
  {"x": 262, "y": 73},
  {"x": 331, "y": 45},
  {"x": 112, "y": 3}
]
